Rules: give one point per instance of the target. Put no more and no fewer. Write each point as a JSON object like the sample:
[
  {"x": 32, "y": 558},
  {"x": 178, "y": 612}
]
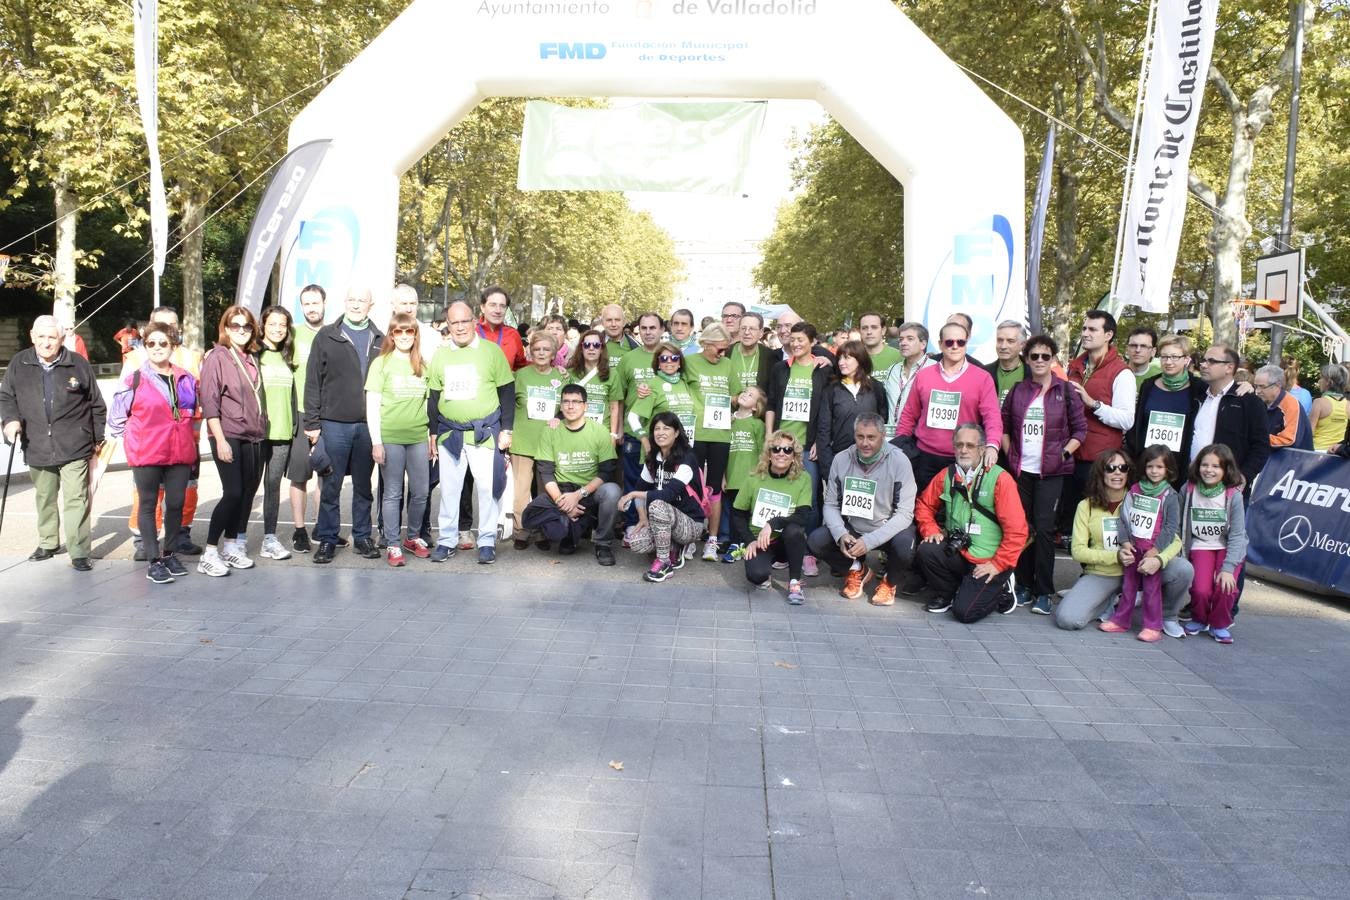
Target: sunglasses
[
  {"x": 1213, "y": 362},
  {"x": 403, "y": 330},
  {"x": 1040, "y": 357},
  {"x": 239, "y": 326},
  {"x": 1118, "y": 467},
  {"x": 591, "y": 345},
  {"x": 156, "y": 343},
  {"x": 954, "y": 342},
  {"x": 782, "y": 451},
  {"x": 667, "y": 357}
]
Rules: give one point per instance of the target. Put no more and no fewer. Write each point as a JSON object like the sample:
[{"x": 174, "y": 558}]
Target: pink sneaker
[{"x": 809, "y": 569}]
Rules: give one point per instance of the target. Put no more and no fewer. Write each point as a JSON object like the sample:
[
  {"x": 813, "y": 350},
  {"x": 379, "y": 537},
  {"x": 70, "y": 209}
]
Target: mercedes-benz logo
[{"x": 1295, "y": 534}]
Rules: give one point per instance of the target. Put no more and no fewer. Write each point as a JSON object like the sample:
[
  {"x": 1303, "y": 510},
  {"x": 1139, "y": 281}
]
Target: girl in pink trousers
[{"x": 1214, "y": 535}]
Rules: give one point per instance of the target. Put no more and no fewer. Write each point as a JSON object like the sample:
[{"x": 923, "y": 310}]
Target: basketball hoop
[{"x": 1273, "y": 305}]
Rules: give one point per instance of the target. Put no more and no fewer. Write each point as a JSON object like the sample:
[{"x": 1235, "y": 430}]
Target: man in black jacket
[
  {"x": 1221, "y": 416},
  {"x": 335, "y": 408},
  {"x": 50, "y": 403}
]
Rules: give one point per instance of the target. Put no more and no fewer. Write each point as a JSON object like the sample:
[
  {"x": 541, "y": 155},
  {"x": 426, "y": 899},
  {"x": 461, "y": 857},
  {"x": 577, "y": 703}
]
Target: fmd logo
[
  {"x": 324, "y": 250},
  {"x": 578, "y": 50},
  {"x": 975, "y": 278}
]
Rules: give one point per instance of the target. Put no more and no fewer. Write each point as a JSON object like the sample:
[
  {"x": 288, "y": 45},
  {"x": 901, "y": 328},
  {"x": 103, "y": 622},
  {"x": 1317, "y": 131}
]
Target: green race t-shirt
[
  {"x": 597, "y": 396},
  {"x": 278, "y": 382},
  {"x": 403, "y": 399},
  {"x": 710, "y": 384},
  {"x": 884, "y": 360},
  {"x": 766, "y": 492},
  {"x": 537, "y": 396},
  {"x": 747, "y": 440},
  {"x": 576, "y": 455},
  {"x": 616, "y": 350},
  {"x": 797, "y": 400},
  {"x": 1005, "y": 381},
  {"x": 304, "y": 342},
  {"x": 635, "y": 370},
  {"x": 468, "y": 379},
  {"x": 744, "y": 367},
  {"x": 679, "y": 399}
]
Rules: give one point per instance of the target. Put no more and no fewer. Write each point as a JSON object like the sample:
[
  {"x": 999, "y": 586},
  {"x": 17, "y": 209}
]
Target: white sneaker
[
  {"x": 710, "y": 550},
  {"x": 273, "y": 548},
  {"x": 466, "y": 540},
  {"x": 211, "y": 564},
  {"x": 690, "y": 551},
  {"x": 233, "y": 555},
  {"x": 1172, "y": 628}
]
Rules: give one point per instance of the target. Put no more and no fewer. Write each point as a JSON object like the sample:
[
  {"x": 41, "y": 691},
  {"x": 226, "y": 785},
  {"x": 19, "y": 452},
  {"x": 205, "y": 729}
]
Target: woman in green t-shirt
[
  {"x": 589, "y": 367},
  {"x": 538, "y": 386},
  {"x": 771, "y": 512},
  {"x": 401, "y": 445},
  {"x": 276, "y": 361}
]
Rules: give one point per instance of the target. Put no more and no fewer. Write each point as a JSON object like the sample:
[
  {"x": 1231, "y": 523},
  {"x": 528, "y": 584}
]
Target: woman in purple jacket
[
  {"x": 1043, "y": 424},
  {"x": 235, "y": 410}
]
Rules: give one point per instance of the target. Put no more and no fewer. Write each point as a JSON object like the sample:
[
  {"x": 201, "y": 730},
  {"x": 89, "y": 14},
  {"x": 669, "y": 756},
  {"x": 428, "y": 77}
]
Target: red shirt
[
  {"x": 1007, "y": 506},
  {"x": 505, "y": 337}
]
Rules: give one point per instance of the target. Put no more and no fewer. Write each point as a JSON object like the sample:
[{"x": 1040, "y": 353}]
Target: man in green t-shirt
[
  {"x": 634, "y": 383},
  {"x": 313, "y": 308},
  {"x": 1140, "y": 348},
  {"x": 616, "y": 342},
  {"x": 576, "y": 466},
  {"x": 872, "y": 327},
  {"x": 1010, "y": 339},
  {"x": 473, "y": 405}
]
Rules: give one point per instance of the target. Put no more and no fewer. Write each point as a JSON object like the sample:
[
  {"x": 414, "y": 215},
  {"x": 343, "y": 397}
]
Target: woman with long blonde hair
[{"x": 771, "y": 513}]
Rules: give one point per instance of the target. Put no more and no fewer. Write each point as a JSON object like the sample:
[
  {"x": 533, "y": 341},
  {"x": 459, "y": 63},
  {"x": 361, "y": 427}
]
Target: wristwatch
[{"x": 585, "y": 493}]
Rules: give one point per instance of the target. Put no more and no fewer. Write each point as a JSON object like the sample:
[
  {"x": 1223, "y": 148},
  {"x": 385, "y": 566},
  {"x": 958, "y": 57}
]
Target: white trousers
[{"x": 478, "y": 460}]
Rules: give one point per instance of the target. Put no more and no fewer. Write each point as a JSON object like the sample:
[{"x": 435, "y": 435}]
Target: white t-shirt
[
  {"x": 1205, "y": 422},
  {"x": 1033, "y": 436}
]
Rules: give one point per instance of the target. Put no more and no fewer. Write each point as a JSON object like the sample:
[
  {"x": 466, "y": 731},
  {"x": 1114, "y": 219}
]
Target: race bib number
[
  {"x": 717, "y": 411},
  {"x": 770, "y": 505},
  {"x": 1144, "y": 514},
  {"x": 1033, "y": 426},
  {"x": 944, "y": 408},
  {"x": 1165, "y": 428},
  {"x": 860, "y": 497},
  {"x": 459, "y": 382},
  {"x": 687, "y": 420},
  {"x": 541, "y": 403},
  {"x": 1111, "y": 533},
  {"x": 1209, "y": 524},
  {"x": 595, "y": 411},
  {"x": 797, "y": 404}
]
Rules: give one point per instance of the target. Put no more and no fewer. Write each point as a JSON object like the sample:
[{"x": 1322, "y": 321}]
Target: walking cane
[{"x": 9, "y": 469}]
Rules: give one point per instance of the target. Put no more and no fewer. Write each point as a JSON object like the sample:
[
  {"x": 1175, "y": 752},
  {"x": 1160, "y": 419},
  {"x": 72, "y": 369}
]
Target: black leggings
[
  {"x": 238, "y": 486},
  {"x": 149, "y": 480},
  {"x": 714, "y": 456},
  {"x": 788, "y": 547}
]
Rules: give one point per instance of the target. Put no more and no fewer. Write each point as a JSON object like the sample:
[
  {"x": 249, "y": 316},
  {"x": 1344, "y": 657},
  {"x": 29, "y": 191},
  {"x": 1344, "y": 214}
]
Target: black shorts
[
  {"x": 714, "y": 456},
  {"x": 297, "y": 468}
]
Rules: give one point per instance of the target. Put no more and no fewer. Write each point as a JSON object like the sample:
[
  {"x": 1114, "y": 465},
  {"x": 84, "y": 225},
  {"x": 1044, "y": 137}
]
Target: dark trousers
[
  {"x": 1069, "y": 497},
  {"x": 927, "y": 467},
  {"x": 239, "y": 479},
  {"x": 899, "y": 552},
  {"x": 149, "y": 481},
  {"x": 1040, "y": 499},
  {"x": 630, "y": 455},
  {"x": 788, "y": 547},
  {"x": 948, "y": 573},
  {"x": 349, "y": 449}
]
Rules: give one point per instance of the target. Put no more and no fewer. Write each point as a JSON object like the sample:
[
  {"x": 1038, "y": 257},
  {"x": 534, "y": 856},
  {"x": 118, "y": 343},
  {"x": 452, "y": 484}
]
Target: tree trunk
[
  {"x": 194, "y": 302},
  {"x": 63, "y": 264}
]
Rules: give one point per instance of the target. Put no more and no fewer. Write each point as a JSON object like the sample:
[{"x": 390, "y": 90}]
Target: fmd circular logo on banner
[{"x": 1295, "y": 534}]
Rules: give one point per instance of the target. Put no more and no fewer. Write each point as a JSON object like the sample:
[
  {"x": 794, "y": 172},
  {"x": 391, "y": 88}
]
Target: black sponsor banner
[{"x": 1298, "y": 526}]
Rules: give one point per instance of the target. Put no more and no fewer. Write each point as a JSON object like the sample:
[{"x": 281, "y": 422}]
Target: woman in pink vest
[{"x": 155, "y": 410}]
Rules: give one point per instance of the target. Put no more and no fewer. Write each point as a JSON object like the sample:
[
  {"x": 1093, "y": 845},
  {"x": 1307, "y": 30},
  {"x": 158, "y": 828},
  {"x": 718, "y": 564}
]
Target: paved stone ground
[{"x": 300, "y": 731}]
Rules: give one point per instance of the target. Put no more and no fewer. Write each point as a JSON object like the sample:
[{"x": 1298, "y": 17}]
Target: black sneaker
[
  {"x": 566, "y": 547},
  {"x": 300, "y": 541},
  {"x": 176, "y": 569},
  {"x": 158, "y": 573},
  {"x": 676, "y": 557},
  {"x": 1185, "y": 615},
  {"x": 340, "y": 542},
  {"x": 366, "y": 548},
  {"x": 939, "y": 604},
  {"x": 325, "y": 553},
  {"x": 1009, "y": 604},
  {"x": 604, "y": 556},
  {"x": 185, "y": 546},
  {"x": 139, "y": 555}
]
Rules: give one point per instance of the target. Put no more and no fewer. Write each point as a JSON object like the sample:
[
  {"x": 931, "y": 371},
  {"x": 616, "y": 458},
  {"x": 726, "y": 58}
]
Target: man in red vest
[
  {"x": 492, "y": 326},
  {"x": 1107, "y": 388}
]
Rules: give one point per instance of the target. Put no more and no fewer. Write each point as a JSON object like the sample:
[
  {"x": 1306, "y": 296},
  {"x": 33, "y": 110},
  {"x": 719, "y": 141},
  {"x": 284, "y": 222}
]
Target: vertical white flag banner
[
  {"x": 146, "y": 39},
  {"x": 1182, "y": 46}
]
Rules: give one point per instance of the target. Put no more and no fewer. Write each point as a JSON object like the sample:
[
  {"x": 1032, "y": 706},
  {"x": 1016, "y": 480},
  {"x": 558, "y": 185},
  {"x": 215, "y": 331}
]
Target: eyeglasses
[
  {"x": 668, "y": 357},
  {"x": 1262, "y": 387},
  {"x": 1171, "y": 357},
  {"x": 783, "y": 451},
  {"x": 239, "y": 326},
  {"x": 729, "y": 316},
  {"x": 1040, "y": 357},
  {"x": 569, "y": 401},
  {"x": 965, "y": 445},
  {"x": 954, "y": 342},
  {"x": 591, "y": 345},
  {"x": 157, "y": 343},
  {"x": 404, "y": 330},
  {"x": 1214, "y": 362},
  {"x": 1118, "y": 467}
]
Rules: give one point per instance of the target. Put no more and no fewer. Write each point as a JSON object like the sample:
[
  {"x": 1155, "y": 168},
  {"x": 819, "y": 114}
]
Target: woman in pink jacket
[{"x": 155, "y": 411}]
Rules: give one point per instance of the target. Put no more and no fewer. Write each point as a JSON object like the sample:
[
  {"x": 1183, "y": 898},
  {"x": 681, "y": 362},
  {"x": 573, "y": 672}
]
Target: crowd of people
[{"x": 937, "y": 477}]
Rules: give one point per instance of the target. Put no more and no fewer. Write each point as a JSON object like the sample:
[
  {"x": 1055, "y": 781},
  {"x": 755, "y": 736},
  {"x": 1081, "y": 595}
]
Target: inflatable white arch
[{"x": 959, "y": 158}]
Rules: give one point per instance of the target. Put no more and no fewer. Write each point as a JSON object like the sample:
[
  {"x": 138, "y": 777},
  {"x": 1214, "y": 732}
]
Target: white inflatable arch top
[{"x": 959, "y": 158}]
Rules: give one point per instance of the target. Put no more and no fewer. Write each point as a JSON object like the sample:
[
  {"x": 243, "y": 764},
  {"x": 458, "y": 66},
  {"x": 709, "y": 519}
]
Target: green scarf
[
  {"x": 866, "y": 460},
  {"x": 359, "y": 326},
  {"x": 1176, "y": 382},
  {"x": 1153, "y": 490},
  {"x": 669, "y": 379},
  {"x": 1207, "y": 491}
]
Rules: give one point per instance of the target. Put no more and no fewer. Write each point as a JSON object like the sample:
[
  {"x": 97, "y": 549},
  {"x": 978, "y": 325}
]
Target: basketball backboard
[{"x": 1279, "y": 277}]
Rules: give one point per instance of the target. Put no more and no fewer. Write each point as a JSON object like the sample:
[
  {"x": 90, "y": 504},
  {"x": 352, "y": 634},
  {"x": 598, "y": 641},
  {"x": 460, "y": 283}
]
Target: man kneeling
[
  {"x": 869, "y": 505},
  {"x": 576, "y": 466},
  {"x": 969, "y": 558}
]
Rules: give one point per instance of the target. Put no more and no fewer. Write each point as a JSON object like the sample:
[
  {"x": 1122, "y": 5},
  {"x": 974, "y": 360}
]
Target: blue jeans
[
  {"x": 348, "y": 446},
  {"x": 632, "y": 472}
]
